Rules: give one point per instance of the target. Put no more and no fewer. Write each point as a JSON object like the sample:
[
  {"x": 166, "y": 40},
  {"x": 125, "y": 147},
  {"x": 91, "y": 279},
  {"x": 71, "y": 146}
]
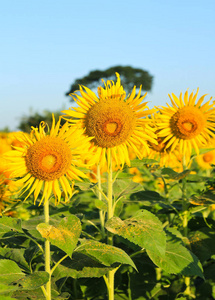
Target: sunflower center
[
  {"x": 188, "y": 126},
  {"x": 49, "y": 158},
  {"x": 188, "y": 122},
  {"x": 159, "y": 147},
  {"x": 48, "y": 161},
  {"x": 112, "y": 127},
  {"x": 207, "y": 157},
  {"x": 110, "y": 121}
]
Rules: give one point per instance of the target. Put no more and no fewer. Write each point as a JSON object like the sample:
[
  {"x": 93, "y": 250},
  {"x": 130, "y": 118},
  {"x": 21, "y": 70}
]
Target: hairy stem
[
  {"x": 185, "y": 222},
  {"x": 101, "y": 212},
  {"x": 47, "y": 254},
  {"x": 110, "y": 214}
]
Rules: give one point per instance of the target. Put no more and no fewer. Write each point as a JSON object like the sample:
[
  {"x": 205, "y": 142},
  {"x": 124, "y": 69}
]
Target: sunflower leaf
[
  {"x": 10, "y": 271},
  {"x": 8, "y": 224},
  {"x": 202, "y": 243},
  {"x": 64, "y": 235},
  {"x": 5, "y": 289},
  {"x": 144, "y": 161},
  {"x": 16, "y": 255},
  {"x": 178, "y": 259},
  {"x": 80, "y": 266},
  {"x": 143, "y": 229},
  {"x": 34, "y": 280},
  {"x": 122, "y": 188},
  {"x": 104, "y": 254}
]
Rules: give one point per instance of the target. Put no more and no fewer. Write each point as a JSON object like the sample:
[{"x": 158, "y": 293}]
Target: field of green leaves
[{"x": 152, "y": 255}]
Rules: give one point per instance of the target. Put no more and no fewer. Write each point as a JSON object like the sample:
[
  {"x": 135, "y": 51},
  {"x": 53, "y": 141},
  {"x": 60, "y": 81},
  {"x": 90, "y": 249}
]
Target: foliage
[
  {"x": 150, "y": 253},
  {"x": 130, "y": 76}
]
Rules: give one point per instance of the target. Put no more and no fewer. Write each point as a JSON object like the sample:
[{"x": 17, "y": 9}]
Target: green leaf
[
  {"x": 85, "y": 186},
  {"x": 29, "y": 282},
  {"x": 64, "y": 235},
  {"x": 16, "y": 255},
  {"x": 104, "y": 253},
  {"x": 174, "y": 175},
  {"x": 100, "y": 204},
  {"x": 8, "y": 224},
  {"x": 7, "y": 298},
  {"x": 143, "y": 229},
  {"x": 34, "y": 281},
  {"x": 196, "y": 178},
  {"x": 6, "y": 288},
  {"x": 31, "y": 224},
  {"x": 178, "y": 259},
  {"x": 147, "y": 196},
  {"x": 202, "y": 200},
  {"x": 80, "y": 266},
  {"x": 140, "y": 284},
  {"x": 202, "y": 243},
  {"x": 168, "y": 171},
  {"x": 125, "y": 187},
  {"x": 30, "y": 294},
  {"x": 10, "y": 271},
  {"x": 145, "y": 161}
]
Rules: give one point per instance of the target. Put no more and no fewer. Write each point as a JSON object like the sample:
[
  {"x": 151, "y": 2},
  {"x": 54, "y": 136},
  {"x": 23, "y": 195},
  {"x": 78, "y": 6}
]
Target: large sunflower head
[
  {"x": 49, "y": 160},
  {"x": 187, "y": 124},
  {"x": 114, "y": 121}
]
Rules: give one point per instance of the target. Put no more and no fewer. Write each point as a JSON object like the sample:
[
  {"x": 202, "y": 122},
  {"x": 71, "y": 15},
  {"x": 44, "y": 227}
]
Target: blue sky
[{"x": 47, "y": 44}]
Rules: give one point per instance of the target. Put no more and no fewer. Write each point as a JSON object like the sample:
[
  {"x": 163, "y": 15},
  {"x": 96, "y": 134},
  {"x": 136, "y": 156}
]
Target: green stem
[
  {"x": 184, "y": 208},
  {"x": 101, "y": 213},
  {"x": 185, "y": 222},
  {"x": 30, "y": 238},
  {"x": 137, "y": 253},
  {"x": 110, "y": 214},
  {"x": 57, "y": 264},
  {"x": 47, "y": 254},
  {"x": 110, "y": 211},
  {"x": 111, "y": 285}
]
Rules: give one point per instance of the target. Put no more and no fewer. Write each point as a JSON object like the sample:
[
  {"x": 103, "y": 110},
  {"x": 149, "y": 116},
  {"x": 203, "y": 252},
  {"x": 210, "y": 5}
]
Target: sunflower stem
[
  {"x": 110, "y": 213},
  {"x": 101, "y": 212},
  {"x": 185, "y": 222},
  {"x": 47, "y": 253}
]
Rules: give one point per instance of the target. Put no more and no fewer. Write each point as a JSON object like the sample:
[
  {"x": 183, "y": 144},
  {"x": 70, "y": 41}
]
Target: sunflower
[
  {"x": 186, "y": 124},
  {"x": 207, "y": 159},
  {"x": 4, "y": 143},
  {"x": 114, "y": 122},
  {"x": 8, "y": 140},
  {"x": 165, "y": 157},
  {"x": 48, "y": 161}
]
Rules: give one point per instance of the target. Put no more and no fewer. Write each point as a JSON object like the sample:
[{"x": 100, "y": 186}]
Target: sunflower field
[{"x": 112, "y": 201}]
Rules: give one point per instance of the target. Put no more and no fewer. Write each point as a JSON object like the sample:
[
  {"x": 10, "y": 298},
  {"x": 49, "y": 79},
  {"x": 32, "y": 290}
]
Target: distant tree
[
  {"x": 5, "y": 129},
  {"x": 129, "y": 76},
  {"x": 34, "y": 120}
]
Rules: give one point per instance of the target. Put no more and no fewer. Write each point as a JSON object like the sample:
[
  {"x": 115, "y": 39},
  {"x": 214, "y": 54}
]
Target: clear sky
[{"x": 47, "y": 44}]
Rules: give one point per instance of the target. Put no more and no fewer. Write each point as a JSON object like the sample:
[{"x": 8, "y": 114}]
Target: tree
[
  {"x": 129, "y": 76},
  {"x": 35, "y": 118}
]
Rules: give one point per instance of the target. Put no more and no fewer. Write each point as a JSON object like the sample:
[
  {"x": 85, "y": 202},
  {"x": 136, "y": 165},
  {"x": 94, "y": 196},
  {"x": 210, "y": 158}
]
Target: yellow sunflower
[
  {"x": 48, "y": 161},
  {"x": 187, "y": 124},
  {"x": 206, "y": 160},
  {"x": 158, "y": 151},
  {"x": 8, "y": 140},
  {"x": 115, "y": 123}
]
